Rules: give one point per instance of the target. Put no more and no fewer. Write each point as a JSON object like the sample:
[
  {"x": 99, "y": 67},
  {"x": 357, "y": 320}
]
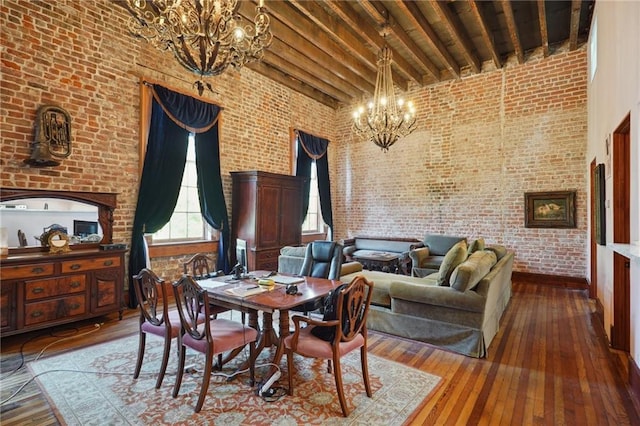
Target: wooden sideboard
[
  {"x": 41, "y": 290},
  {"x": 267, "y": 209}
]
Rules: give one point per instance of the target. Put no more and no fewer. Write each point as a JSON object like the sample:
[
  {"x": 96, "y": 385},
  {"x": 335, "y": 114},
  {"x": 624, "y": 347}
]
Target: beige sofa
[{"x": 461, "y": 313}]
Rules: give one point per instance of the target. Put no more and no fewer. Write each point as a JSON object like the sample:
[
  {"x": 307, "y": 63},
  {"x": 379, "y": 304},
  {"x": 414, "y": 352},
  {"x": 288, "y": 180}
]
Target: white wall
[{"x": 613, "y": 93}]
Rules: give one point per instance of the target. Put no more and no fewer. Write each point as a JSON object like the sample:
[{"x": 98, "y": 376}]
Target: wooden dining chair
[
  {"x": 155, "y": 317},
  {"x": 342, "y": 330},
  {"x": 200, "y": 266},
  {"x": 212, "y": 337}
]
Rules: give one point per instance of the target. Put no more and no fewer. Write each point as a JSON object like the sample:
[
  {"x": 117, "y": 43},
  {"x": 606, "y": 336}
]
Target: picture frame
[
  {"x": 553, "y": 209},
  {"x": 599, "y": 198}
]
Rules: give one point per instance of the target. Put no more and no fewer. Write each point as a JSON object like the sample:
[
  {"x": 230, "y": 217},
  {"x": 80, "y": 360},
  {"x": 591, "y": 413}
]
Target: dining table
[{"x": 229, "y": 292}]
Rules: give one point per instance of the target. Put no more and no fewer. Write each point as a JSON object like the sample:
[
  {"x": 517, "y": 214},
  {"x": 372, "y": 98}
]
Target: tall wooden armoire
[{"x": 266, "y": 214}]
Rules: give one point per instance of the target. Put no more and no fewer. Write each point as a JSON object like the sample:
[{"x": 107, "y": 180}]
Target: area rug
[{"x": 95, "y": 386}]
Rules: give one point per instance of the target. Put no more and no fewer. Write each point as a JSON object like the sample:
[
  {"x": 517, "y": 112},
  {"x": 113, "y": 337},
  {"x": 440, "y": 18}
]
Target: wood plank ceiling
[{"x": 327, "y": 50}]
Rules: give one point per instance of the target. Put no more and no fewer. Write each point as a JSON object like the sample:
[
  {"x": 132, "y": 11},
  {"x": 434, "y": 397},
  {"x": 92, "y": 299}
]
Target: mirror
[
  {"x": 85, "y": 218},
  {"x": 28, "y": 220}
]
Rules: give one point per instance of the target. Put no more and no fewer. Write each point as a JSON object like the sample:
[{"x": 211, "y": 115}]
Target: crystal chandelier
[
  {"x": 206, "y": 36},
  {"x": 386, "y": 120}
]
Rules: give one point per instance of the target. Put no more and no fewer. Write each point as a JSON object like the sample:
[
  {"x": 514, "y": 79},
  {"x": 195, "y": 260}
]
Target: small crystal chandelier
[
  {"x": 386, "y": 120},
  {"x": 206, "y": 36}
]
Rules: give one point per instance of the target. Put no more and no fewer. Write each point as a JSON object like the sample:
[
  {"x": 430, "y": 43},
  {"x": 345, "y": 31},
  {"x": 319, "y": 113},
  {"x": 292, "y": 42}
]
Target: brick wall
[
  {"x": 79, "y": 56},
  {"x": 481, "y": 143}
]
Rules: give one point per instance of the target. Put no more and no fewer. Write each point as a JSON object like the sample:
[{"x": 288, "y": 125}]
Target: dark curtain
[
  {"x": 173, "y": 117},
  {"x": 212, "y": 202},
  {"x": 313, "y": 148}
]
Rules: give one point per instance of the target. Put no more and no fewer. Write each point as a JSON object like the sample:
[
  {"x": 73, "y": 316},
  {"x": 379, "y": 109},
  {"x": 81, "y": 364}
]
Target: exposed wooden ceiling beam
[
  {"x": 304, "y": 75},
  {"x": 292, "y": 83},
  {"x": 458, "y": 34},
  {"x": 576, "y": 6},
  {"x": 421, "y": 24},
  {"x": 381, "y": 15},
  {"x": 513, "y": 29},
  {"x": 544, "y": 36},
  {"x": 315, "y": 72},
  {"x": 368, "y": 32},
  {"x": 330, "y": 27},
  {"x": 323, "y": 51},
  {"x": 487, "y": 36}
]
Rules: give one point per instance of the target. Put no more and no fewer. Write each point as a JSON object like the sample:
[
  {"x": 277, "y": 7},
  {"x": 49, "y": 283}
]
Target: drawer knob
[
  {"x": 108, "y": 262},
  {"x": 37, "y": 270},
  {"x": 37, "y": 290},
  {"x": 75, "y": 284},
  {"x": 75, "y": 266},
  {"x": 74, "y": 306},
  {"x": 36, "y": 314}
]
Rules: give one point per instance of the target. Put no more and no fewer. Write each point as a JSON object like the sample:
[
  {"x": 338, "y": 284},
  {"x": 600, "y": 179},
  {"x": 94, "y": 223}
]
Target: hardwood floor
[{"x": 549, "y": 364}]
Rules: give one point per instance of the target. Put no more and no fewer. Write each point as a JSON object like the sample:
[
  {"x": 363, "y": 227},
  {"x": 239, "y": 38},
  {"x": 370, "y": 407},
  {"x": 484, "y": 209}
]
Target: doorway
[
  {"x": 593, "y": 284},
  {"x": 621, "y": 172}
]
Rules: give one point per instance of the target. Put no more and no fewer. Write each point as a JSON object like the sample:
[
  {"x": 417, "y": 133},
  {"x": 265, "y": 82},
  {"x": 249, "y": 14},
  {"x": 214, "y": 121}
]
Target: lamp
[
  {"x": 386, "y": 119},
  {"x": 206, "y": 36}
]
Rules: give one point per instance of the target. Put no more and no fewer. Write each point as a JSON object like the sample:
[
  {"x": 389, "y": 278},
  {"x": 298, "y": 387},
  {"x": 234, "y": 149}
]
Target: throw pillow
[
  {"x": 469, "y": 273},
  {"x": 499, "y": 250},
  {"x": 475, "y": 245},
  {"x": 455, "y": 256}
]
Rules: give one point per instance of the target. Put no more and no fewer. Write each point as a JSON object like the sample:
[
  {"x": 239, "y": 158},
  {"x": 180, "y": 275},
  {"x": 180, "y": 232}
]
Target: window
[
  {"x": 186, "y": 223},
  {"x": 593, "y": 49},
  {"x": 313, "y": 222}
]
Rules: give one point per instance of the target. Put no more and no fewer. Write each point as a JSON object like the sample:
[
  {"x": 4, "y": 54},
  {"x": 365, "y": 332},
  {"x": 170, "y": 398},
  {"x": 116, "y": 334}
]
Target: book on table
[
  {"x": 245, "y": 290},
  {"x": 286, "y": 279}
]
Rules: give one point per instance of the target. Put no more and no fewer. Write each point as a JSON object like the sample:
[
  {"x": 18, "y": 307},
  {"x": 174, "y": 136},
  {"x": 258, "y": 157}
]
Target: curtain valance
[
  {"x": 314, "y": 146},
  {"x": 192, "y": 114}
]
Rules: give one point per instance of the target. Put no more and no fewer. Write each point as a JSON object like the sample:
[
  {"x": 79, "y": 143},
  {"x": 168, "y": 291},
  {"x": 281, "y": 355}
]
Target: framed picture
[
  {"x": 599, "y": 206},
  {"x": 555, "y": 209}
]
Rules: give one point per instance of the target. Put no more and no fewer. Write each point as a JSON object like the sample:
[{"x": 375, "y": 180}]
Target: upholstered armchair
[{"x": 427, "y": 260}]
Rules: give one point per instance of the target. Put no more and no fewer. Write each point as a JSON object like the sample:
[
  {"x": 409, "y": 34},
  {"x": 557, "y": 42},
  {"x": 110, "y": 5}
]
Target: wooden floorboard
[{"x": 549, "y": 364}]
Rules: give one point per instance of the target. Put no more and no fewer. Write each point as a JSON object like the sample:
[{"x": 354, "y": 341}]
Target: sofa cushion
[
  {"x": 477, "y": 244},
  {"x": 381, "y": 282},
  {"x": 499, "y": 250},
  {"x": 469, "y": 273},
  {"x": 350, "y": 268},
  {"x": 455, "y": 256}
]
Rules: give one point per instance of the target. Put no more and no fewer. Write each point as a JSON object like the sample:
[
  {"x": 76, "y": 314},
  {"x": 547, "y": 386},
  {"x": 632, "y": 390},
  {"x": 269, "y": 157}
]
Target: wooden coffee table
[{"x": 385, "y": 262}]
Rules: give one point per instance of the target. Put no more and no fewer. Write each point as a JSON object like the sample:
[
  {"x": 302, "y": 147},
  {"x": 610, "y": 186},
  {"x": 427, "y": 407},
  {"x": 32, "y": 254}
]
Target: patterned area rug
[{"x": 88, "y": 393}]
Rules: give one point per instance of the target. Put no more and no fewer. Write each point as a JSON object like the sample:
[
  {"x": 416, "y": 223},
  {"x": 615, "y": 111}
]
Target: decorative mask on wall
[{"x": 53, "y": 137}]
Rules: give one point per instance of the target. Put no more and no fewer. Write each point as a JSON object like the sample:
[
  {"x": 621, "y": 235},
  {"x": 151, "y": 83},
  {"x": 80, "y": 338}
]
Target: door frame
[
  {"x": 621, "y": 203},
  {"x": 593, "y": 284}
]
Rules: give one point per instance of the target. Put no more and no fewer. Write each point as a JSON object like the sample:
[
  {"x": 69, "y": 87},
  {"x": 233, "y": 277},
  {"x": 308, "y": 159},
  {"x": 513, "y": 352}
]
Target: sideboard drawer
[
  {"x": 267, "y": 260},
  {"x": 54, "y": 309},
  {"x": 90, "y": 264},
  {"x": 39, "y": 289},
  {"x": 27, "y": 271}
]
